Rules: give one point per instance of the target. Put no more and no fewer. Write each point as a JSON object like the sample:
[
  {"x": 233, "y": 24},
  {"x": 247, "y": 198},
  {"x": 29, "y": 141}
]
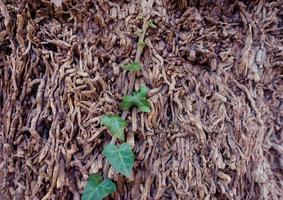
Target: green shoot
[
  {"x": 151, "y": 24},
  {"x": 141, "y": 44},
  {"x": 134, "y": 66}
]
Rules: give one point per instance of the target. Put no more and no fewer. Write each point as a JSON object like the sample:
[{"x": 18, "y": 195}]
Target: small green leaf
[
  {"x": 151, "y": 24},
  {"x": 141, "y": 44},
  {"x": 96, "y": 189},
  {"x": 115, "y": 124},
  {"x": 138, "y": 32},
  {"x": 138, "y": 99},
  {"x": 122, "y": 159},
  {"x": 140, "y": 17},
  {"x": 134, "y": 66},
  {"x": 143, "y": 90}
]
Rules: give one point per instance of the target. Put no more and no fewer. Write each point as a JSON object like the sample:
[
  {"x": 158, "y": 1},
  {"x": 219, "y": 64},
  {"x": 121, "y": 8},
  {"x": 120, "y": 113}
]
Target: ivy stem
[
  {"x": 133, "y": 75},
  {"x": 138, "y": 55}
]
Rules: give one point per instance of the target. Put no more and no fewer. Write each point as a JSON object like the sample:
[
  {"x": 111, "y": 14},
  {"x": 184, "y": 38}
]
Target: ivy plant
[
  {"x": 121, "y": 159},
  {"x": 115, "y": 124},
  {"x": 137, "y": 99},
  {"x": 97, "y": 189},
  {"x": 151, "y": 24},
  {"x": 141, "y": 43},
  {"x": 134, "y": 66}
]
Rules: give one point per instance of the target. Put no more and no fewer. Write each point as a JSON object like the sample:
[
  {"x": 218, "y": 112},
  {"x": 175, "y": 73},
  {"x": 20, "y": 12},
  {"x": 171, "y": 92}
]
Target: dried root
[{"x": 214, "y": 70}]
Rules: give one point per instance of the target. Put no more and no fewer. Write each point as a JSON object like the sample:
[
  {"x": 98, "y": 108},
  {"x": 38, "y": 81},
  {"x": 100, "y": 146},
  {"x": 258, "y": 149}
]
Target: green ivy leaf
[
  {"x": 140, "y": 17},
  {"x": 96, "y": 189},
  {"x": 115, "y": 124},
  {"x": 141, "y": 44},
  {"x": 138, "y": 99},
  {"x": 138, "y": 32},
  {"x": 121, "y": 159},
  {"x": 151, "y": 24},
  {"x": 134, "y": 66}
]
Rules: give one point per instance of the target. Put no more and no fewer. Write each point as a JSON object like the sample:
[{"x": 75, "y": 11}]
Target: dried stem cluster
[{"x": 215, "y": 73}]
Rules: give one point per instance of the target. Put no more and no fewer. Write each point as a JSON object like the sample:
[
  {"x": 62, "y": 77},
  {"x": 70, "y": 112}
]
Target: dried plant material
[
  {"x": 57, "y": 3},
  {"x": 214, "y": 130}
]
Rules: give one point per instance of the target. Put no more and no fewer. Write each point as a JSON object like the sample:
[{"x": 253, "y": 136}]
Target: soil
[{"x": 215, "y": 74}]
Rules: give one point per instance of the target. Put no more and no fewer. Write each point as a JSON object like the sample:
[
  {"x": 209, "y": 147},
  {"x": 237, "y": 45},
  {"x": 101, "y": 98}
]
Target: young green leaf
[
  {"x": 138, "y": 32},
  {"x": 141, "y": 44},
  {"x": 151, "y": 24},
  {"x": 134, "y": 66},
  {"x": 140, "y": 17},
  {"x": 121, "y": 159},
  {"x": 138, "y": 99},
  {"x": 96, "y": 189},
  {"x": 115, "y": 124}
]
